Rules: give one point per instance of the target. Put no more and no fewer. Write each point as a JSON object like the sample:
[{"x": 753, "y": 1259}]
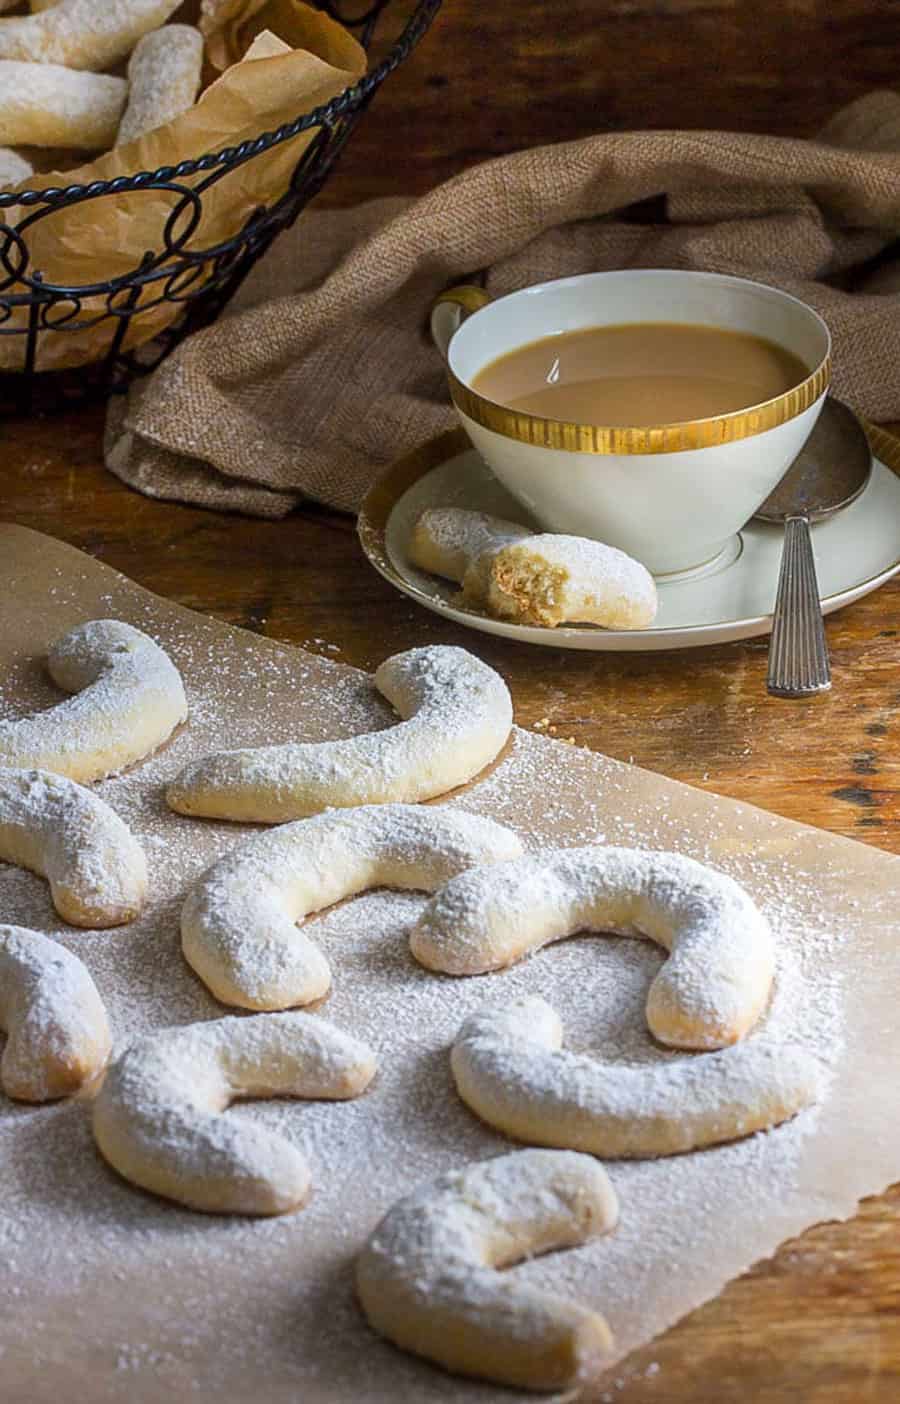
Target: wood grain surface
[
  {"x": 820, "y": 1323},
  {"x": 492, "y": 78}
]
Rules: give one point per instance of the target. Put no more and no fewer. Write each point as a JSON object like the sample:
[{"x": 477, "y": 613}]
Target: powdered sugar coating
[
  {"x": 82, "y": 33},
  {"x": 710, "y": 991},
  {"x": 456, "y": 717},
  {"x": 163, "y": 78},
  {"x": 57, "y": 1031},
  {"x": 554, "y": 579},
  {"x": 95, "y": 867},
  {"x": 49, "y": 104},
  {"x": 151, "y": 1300},
  {"x": 239, "y": 923},
  {"x": 533, "y": 578},
  {"x": 461, "y": 545},
  {"x": 158, "y": 1118},
  {"x": 427, "y": 1278},
  {"x": 447, "y": 540},
  {"x": 510, "y": 1068},
  {"x": 128, "y": 700}
]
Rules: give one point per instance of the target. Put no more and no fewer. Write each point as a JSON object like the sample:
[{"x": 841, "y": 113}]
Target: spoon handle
[{"x": 798, "y": 653}]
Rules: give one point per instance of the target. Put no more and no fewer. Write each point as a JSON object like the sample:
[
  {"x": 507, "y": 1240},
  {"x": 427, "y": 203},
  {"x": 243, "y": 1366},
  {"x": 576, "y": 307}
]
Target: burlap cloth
[{"x": 322, "y": 372}]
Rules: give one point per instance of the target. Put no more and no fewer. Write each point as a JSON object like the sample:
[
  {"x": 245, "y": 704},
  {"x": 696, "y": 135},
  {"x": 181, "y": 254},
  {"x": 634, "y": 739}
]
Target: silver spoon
[{"x": 830, "y": 471}]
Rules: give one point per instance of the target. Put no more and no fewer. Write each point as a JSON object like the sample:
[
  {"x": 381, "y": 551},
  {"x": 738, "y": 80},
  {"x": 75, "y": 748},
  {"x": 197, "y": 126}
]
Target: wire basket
[{"x": 199, "y": 282}]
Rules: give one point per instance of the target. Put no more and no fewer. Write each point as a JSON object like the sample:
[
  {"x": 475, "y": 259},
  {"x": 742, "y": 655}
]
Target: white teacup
[{"x": 673, "y": 495}]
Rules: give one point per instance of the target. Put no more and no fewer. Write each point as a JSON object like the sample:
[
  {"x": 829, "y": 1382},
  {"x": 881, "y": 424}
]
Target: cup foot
[{"x": 729, "y": 553}]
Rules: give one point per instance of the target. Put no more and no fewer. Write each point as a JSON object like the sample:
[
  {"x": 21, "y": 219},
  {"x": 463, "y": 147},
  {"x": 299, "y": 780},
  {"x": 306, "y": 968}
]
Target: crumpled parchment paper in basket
[{"x": 286, "y": 59}]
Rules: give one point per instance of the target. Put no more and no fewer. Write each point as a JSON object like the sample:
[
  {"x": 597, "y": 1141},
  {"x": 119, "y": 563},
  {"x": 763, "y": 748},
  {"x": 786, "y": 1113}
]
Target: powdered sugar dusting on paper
[{"x": 221, "y": 1301}]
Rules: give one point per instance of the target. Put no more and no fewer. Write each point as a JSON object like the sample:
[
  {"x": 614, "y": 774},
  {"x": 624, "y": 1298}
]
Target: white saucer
[{"x": 856, "y": 551}]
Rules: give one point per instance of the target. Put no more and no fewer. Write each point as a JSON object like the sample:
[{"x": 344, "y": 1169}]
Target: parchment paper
[
  {"x": 230, "y": 27},
  {"x": 274, "y": 78},
  {"x": 107, "y": 1294}
]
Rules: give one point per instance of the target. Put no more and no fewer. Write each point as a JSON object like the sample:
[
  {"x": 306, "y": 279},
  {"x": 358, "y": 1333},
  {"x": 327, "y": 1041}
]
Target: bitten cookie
[{"x": 540, "y": 579}]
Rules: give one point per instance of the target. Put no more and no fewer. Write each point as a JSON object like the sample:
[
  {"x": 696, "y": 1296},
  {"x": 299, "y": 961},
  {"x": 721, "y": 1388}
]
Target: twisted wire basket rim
[{"x": 324, "y": 115}]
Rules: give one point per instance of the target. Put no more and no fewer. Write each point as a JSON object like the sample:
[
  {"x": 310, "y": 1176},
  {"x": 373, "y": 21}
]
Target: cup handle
[{"x": 451, "y": 308}]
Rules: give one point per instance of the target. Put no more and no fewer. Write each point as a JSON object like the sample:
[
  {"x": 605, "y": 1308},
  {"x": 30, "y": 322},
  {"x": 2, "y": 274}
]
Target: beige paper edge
[{"x": 854, "y": 1151}]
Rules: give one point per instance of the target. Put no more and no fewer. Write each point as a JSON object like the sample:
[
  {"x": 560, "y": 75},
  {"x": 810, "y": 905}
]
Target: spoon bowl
[{"x": 829, "y": 472}]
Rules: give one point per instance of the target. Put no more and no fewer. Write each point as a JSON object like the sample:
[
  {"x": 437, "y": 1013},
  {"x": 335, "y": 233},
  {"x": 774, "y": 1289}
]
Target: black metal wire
[{"x": 199, "y": 281}]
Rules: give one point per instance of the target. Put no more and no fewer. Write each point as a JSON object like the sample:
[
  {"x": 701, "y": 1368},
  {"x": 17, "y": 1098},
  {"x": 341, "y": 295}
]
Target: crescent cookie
[
  {"x": 428, "y": 1278},
  {"x": 239, "y": 923},
  {"x": 460, "y": 545},
  {"x": 544, "y": 579},
  {"x": 163, "y": 79},
  {"x": 14, "y": 167},
  {"x": 456, "y": 716},
  {"x": 158, "y": 1117},
  {"x": 721, "y": 963},
  {"x": 95, "y": 867},
  {"x": 56, "y": 1026},
  {"x": 47, "y": 104},
  {"x": 82, "y": 33},
  {"x": 510, "y": 1068},
  {"x": 129, "y": 699}
]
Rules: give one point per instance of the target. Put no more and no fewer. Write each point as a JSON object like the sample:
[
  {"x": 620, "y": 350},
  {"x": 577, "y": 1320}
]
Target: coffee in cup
[{"x": 640, "y": 373}]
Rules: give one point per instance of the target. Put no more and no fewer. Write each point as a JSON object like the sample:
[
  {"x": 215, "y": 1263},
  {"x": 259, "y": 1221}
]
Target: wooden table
[{"x": 820, "y": 1323}]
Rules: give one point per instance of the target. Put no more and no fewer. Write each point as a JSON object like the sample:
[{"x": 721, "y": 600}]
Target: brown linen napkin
[{"x": 323, "y": 372}]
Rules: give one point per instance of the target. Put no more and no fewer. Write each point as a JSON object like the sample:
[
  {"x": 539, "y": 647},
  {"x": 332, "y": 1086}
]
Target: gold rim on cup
[{"x": 658, "y": 438}]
